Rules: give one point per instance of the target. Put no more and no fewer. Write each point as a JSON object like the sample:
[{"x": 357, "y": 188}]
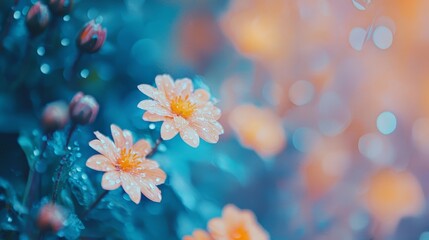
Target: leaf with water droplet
[
  {"x": 72, "y": 227},
  {"x": 81, "y": 187},
  {"x": 29, "y": 145}
]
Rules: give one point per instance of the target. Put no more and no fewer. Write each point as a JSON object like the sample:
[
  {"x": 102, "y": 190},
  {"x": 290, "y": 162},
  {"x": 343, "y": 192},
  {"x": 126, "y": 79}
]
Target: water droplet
[
  {"x": 65, "y": 42},
  {"x": 84, "y": 73},
  {"x": 9, "y": 219},
  {"x": 36, "y": 152},
  {"x": 16, "y": 14},
  {"x": 45, "y": 68},
  {"x": 152, "y": 126},
  {"x": 66, "y": 18},
  {"x": 41, "y": 51}
]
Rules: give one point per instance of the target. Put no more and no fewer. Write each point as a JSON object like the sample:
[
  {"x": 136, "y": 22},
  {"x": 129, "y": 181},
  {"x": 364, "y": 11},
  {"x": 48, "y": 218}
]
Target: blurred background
[{"x": 325, "y": 108}]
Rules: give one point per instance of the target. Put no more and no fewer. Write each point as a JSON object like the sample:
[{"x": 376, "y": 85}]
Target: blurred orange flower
[
  {"x": 259, "y": 28},
  {"x": 258, "y": 129},
  {"x": 392, "y": 195},
  {"x": 126, "y": 164},
  {"x": 236, "y": 224},
  {"x": 198, "y": 235},
  {"x": 51, "y": 217},
  {"x": 183, "y": 110}
]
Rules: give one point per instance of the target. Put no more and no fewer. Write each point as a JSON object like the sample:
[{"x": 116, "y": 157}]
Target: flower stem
[
  {"x": 69, "y": 135},
  {"x": 73, "y": 69},
  {"x": 29, "y": 187},
  {"x": 62, "y": 164},
  {"x": 155, "y": 148},
  {"x": 95, "y": 203}
]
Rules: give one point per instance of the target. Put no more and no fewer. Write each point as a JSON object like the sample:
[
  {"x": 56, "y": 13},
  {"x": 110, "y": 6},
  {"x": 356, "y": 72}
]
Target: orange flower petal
[
  {"x": 165, "y": 85},
  {"x": 131, "y": 187},
  {"x": 100, "y": 163},
  {"x": 153, "y": 107},
  {"x": 118, "y": 136},
  {"x": 190, "y": 136},
  {"x": 99, "y": 147},
  {"x": 151, "y": 117},
  {"x": 201, "y": 96},
  {"x": 183, "y": 87},
  {"x": 151, "y": 191},
  {"x": 168, "y": 130},
  {"x": 142, "y": 147},
  {"x": 111, "y": 180}
]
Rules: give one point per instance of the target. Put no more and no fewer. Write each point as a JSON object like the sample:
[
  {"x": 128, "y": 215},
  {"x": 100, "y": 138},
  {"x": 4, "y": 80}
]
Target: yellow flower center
[
  {"x": 239, "y": 233},
  {"x": 182, "y": 106},
  {"x": 129, "y": 161}
]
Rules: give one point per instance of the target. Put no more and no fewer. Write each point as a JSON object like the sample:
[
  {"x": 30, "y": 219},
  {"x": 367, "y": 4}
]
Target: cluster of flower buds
[
  {"x": 83, "y": 109},
  {"x": 51, "y": 218},
  {"x": 91, "y": 38},
  {"x": 37, "y": 19},
  {"x": 55, "y": 116},
  {"x": 60, "y": 7}
]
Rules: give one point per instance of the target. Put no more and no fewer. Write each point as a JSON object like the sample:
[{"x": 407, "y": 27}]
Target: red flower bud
[
  {"x": 60, "y": 7},
  {"x": 51, "y": 217},
  {"x": 92, "y": 37},
  {"x": 83, "y": 109},
  {"x": 55, "y": 116},
  {"x": 37, "y": 19}
]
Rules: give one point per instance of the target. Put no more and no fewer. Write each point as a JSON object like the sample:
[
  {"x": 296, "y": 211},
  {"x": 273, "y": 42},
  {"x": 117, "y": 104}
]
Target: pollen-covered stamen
[
  {"x": 239, "y": 233},
  {"x": 129, "y": 161},
  {"x": 182, "y": 106}
]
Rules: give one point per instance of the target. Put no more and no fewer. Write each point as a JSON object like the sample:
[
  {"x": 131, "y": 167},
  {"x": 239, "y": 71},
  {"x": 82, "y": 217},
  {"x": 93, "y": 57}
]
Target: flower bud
[
  {"x": 55, "y": 116},
  {"x": 37, "y": 19},
  {"x": 51, "y": 217},
  {"x": 60, "y": 7},
  {"x": 91, "y": 38},
  {"x": 83, "y": 109}
]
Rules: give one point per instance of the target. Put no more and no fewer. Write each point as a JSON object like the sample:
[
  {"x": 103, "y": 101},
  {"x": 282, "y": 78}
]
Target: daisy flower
[
  {"x": 236, "y": 224},
  {"x": 182, "y": 110},
  {"x": 125, "y": 164},
  {"x": 198, "y": 235}
]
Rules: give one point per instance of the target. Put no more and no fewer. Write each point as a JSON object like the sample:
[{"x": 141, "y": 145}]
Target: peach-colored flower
[
  {"x": 198, "y": 235},
  {"x": 259, "y": 129},
  {"x": 126, "y": 164},
  {"x": 236, "y": 224},
  {"x": 183, "y": 110}
]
